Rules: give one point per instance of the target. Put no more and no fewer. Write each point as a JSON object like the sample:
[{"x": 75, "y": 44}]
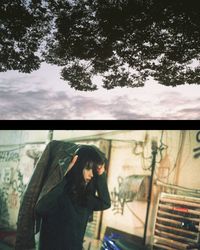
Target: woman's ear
[{"x": 73, "y": 161}]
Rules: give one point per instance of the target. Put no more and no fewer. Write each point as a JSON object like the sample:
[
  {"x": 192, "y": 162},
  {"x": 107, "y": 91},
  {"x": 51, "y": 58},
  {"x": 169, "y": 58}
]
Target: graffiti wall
[
  {"x": 180, "y": 160},
  {"x": 128, "y": 184},
  {"x": 176, "y": 172},
  {"x": 177, "y": 154},
  {"x": 11, "y": 184},
  {"x": 17, "y": 160}
]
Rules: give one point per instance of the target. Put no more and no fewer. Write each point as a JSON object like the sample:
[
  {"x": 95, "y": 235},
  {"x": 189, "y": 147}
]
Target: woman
[{"x": 65, "y": 210}]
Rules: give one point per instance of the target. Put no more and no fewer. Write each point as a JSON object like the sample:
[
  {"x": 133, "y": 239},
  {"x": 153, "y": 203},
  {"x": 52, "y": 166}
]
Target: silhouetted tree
[
  {"x": 124, "y": 41},
  {"x": 24, "y": 24}
]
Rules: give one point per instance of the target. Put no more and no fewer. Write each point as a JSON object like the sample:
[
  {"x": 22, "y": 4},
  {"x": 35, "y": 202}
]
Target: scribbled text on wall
[{"x": 11, "y": 155}]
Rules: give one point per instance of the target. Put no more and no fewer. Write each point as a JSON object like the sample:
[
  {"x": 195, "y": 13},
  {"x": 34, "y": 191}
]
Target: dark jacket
[
  {"x": 48, "y": 173},
  {"x": 64, "y": 220}
]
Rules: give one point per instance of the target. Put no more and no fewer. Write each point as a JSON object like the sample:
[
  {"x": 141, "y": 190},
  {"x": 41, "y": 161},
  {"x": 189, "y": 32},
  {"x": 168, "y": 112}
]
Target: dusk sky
[{"x": 43, "y": 95}]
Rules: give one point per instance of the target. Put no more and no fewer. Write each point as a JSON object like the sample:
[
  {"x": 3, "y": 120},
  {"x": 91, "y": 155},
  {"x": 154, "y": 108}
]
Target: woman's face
[{"x": 87, "y": 175}]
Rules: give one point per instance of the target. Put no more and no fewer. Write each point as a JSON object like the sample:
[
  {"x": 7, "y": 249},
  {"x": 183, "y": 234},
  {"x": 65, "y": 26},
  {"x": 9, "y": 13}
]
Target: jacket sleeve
[
  {"x": 26, "y": 217},
  {"x": 49, "y": 203},
  {"x": 101, "y": 201}
]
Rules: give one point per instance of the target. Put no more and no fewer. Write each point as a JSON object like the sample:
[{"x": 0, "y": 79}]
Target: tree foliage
[{"x": 124, "y": 41}]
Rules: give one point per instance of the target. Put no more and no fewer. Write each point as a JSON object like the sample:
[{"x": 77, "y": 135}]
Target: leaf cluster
[{"x": 126, "y": 42}]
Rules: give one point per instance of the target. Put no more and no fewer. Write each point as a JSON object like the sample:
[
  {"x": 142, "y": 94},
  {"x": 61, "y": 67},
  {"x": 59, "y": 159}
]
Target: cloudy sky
[{"x": 43, "y": 95}]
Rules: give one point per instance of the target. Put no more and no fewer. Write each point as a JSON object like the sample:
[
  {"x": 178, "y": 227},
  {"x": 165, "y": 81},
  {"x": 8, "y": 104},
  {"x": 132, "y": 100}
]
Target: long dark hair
[{"x": 89, "y": 157}]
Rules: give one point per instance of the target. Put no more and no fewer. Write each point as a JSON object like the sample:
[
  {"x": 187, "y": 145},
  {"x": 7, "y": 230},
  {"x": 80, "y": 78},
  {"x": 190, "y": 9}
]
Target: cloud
[
  {"x": 43, "y": 104},
  {"x": 180, "y": 107},
  {"x": 125, "y": 109},
  {"x": 191, "y": 113},
  {"x": 30, "y": 97}
]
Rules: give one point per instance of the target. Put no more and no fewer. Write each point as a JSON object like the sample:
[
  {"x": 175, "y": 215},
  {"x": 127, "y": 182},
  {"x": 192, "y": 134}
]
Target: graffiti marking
[
  {"x": 197, "y": 150},
  {"x": 6, "y": 156},
  {"x": 128, "y": 188}
]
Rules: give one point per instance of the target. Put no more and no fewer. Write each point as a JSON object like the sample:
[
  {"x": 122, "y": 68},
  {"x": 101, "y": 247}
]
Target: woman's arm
[{"x": 101, "y": 201}]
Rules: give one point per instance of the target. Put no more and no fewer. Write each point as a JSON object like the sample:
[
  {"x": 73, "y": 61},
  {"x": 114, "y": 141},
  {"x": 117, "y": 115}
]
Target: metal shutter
[{"x": 177, "y": 223}]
